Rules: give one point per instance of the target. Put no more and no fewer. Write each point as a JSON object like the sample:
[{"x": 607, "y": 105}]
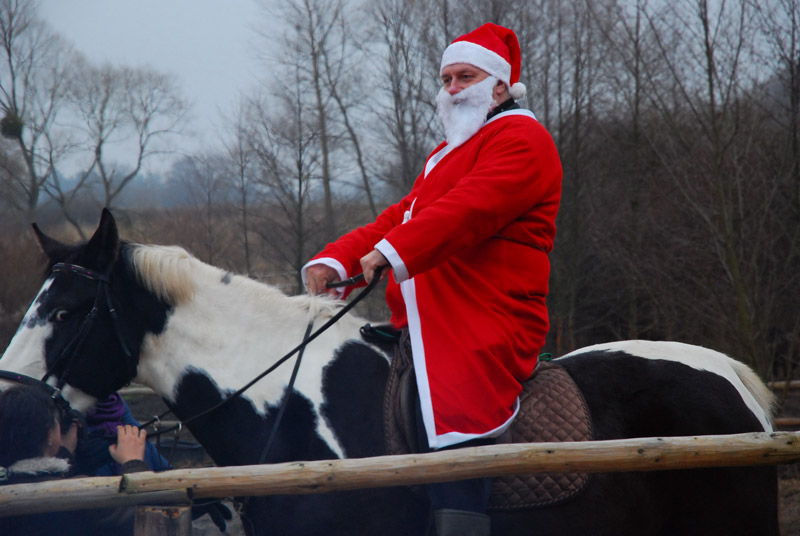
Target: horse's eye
[{"x": 59, "y": 316}]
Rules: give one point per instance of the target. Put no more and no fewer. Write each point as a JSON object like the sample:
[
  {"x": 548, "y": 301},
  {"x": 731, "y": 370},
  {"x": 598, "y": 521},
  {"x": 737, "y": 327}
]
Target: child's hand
[{"x": 130, "y": 444}]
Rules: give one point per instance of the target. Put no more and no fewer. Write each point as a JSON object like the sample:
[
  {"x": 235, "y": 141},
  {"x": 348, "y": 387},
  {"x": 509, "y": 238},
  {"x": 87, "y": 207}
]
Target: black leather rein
[{"x": 70, "y": 352}]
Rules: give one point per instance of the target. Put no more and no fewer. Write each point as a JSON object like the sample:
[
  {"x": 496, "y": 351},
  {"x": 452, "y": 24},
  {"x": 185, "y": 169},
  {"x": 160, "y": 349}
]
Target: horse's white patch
[
  {"x": 77, "y": 398},
  {"x": 739, "y": 375},
  {"x": 25, "y": 353},
  {"x": 236, "y": 330}
]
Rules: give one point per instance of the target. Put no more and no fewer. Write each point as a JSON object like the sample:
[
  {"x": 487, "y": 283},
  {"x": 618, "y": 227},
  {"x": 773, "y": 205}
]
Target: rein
[
  {"x": 299, "y": 348},
  {"x": 69, "y": 354}
]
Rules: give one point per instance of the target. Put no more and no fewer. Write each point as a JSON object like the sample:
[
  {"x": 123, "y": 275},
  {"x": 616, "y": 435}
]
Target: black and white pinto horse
[{"x": 196, "y": 333}]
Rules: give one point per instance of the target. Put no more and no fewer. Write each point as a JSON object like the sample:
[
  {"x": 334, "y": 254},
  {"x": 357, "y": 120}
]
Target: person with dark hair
[
  {"x": 31, "y": 429},
  {"x": 34, "y": 449}
]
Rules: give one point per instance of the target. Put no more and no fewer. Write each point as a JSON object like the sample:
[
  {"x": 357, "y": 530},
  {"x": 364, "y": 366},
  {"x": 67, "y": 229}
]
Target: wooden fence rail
[
  {"x": 177, "y": 486},
  {"x": 783, "y": 384}
]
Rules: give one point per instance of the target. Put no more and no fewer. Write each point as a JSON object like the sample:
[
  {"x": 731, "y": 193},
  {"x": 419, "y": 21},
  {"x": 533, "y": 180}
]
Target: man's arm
[{"x": 343, "y": 258}]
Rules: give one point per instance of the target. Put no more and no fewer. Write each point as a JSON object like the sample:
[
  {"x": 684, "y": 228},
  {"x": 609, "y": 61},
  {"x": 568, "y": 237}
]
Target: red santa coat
[{"x": 468, "y": 248}]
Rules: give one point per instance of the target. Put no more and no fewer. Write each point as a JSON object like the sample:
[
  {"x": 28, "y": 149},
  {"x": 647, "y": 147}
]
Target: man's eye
[{"x": 59, "y": 316}]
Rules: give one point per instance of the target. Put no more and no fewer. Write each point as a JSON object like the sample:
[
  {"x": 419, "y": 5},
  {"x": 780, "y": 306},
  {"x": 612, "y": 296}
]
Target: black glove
[
  {"x": 219, "y": 512},
  {"x": 92, "y": 454}
]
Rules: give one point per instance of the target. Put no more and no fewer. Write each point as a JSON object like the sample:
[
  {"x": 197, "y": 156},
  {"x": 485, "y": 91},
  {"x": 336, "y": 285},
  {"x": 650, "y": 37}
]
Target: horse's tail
[{"x": 762, "y": 394}]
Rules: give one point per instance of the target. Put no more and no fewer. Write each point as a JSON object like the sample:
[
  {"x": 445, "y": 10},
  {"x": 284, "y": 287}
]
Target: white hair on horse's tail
[
  {"x": 164, "y": 271},
  {"x": 763, "y": 395}
]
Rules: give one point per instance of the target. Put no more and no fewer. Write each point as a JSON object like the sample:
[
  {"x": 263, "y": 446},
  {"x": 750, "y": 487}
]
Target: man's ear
[{"x": 500, "y": 89}]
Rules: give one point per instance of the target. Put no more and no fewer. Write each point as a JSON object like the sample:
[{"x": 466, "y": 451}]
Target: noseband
[{"x": 70, "y": 353}]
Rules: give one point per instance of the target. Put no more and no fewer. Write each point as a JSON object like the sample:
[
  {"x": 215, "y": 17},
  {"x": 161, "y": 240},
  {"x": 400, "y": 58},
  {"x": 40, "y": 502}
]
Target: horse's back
[{"x": 631, "y": 395}]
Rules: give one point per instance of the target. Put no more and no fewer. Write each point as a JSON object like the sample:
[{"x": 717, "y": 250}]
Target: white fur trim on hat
[
  {"x": 517, "y": 91},
  {"x": 480, "y": 57}
]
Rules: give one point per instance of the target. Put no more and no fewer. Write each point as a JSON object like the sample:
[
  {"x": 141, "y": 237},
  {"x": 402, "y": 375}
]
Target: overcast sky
[{"x": 206, "y": 44}]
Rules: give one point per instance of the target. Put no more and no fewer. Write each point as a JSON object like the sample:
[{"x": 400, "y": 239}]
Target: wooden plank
[
  {"x": 778, "y": 385},
  {"x": 79, "y": 493},
  {"x": 136, "y": 390},
  {"x": 644, "y": 454},
  {"x": 787, "y": 422}
]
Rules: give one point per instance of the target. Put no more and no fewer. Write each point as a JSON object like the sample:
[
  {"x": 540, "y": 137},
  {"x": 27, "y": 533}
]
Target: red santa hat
[{"x": 494, "y": 49}]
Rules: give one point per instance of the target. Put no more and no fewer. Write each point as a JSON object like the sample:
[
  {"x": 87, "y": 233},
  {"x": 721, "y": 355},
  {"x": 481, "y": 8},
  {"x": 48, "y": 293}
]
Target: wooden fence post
[{"x": 163, "y": 521}]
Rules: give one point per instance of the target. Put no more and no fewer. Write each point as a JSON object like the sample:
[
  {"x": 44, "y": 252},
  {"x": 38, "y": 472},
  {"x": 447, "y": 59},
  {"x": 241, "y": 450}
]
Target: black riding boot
[{"x": 461, "y": 523}]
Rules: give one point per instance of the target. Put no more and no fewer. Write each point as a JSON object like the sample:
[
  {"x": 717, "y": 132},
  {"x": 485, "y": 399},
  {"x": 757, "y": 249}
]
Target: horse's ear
[
  {"x": 103, "y": 247},
  {"x": 50, "y": 246}
]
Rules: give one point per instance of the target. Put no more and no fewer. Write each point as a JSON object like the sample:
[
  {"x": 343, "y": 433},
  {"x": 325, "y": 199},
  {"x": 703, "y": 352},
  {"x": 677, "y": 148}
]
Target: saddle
[{"x": 552, "y": 409}]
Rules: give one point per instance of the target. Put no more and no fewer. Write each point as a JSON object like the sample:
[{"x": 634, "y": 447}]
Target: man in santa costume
[{"x": 468, "y": 251}]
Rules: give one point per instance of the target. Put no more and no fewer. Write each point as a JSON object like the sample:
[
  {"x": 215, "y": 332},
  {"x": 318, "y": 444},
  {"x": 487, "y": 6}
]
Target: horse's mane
[
  {"x": 164, "y": 271},
  {"x": 172, "y": 274}
]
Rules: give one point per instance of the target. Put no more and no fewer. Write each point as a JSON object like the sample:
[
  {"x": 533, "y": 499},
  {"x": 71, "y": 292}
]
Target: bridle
[{"x": 103, "y": 297}]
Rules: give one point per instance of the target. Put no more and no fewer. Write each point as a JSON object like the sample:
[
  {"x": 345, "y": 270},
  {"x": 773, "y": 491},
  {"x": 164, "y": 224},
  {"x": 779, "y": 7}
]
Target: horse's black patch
[
  {"x": 656, "y": 397},
  {"x": 297, "y": 437},
  {"x": 631, "y": 396},
  {"x": 227, "y": 278},
  {"x": 352, "y": 386},
  {"x": 398, "y": 511}
]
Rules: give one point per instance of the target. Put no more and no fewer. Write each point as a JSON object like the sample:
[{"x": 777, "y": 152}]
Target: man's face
[{"x": 459, "y": 76}]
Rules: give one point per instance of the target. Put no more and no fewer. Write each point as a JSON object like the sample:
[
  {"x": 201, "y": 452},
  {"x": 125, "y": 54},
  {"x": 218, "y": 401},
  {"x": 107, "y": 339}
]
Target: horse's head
[{"x": 76, "y": 333}]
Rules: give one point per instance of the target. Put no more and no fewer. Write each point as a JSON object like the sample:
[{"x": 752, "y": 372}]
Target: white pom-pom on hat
[{"x": 517, "y": 91}]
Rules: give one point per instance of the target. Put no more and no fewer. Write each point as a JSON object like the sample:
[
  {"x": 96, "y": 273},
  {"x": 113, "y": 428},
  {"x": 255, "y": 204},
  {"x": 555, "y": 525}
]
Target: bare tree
[
  {"x": 779, "y": 24},
  {"x": 123, "y": 111},
  {"x": 312, "y": 36},
  {"x": 410, "y": 80},
  {"x": 205, "y": 178},
  {"x": 33, "y": 82},
  {"x": 288, "y": 160},
  {"x": 241, "y": 163},
  {"x": 343, "y": 80},
  {"x": 707, "y": 152}
]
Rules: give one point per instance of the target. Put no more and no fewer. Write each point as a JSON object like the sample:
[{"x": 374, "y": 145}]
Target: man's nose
[{"x": 454, "y": 88}]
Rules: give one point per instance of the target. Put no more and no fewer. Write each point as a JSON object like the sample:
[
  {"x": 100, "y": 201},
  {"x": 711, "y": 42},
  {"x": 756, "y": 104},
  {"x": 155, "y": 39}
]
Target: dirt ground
[
  {"x": 191, "y": 456},
  {"x": 789, "y": 489},
  {"x": 789, "y": 476}
]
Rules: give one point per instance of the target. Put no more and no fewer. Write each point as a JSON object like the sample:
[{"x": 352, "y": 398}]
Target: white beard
[{"x": 464, "y": 113}]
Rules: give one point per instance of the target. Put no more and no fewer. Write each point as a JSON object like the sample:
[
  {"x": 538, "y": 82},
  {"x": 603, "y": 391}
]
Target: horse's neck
[{"x": 232, "y": 332}]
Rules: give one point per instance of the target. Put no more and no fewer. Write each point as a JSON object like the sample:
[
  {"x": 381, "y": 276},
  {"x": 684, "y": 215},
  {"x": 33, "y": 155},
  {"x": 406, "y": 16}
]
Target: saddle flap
[{"x": 552, "y": 409}]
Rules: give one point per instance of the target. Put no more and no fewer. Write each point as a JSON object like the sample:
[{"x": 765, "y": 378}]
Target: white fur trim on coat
[{"x": 40, "y": 466}]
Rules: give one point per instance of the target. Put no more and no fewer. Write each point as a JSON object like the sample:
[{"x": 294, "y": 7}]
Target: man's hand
[
  {"x": 130, "y": 444},
  {"x": 371, "y": 262},
  {"x": 319, "y": 275}
]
